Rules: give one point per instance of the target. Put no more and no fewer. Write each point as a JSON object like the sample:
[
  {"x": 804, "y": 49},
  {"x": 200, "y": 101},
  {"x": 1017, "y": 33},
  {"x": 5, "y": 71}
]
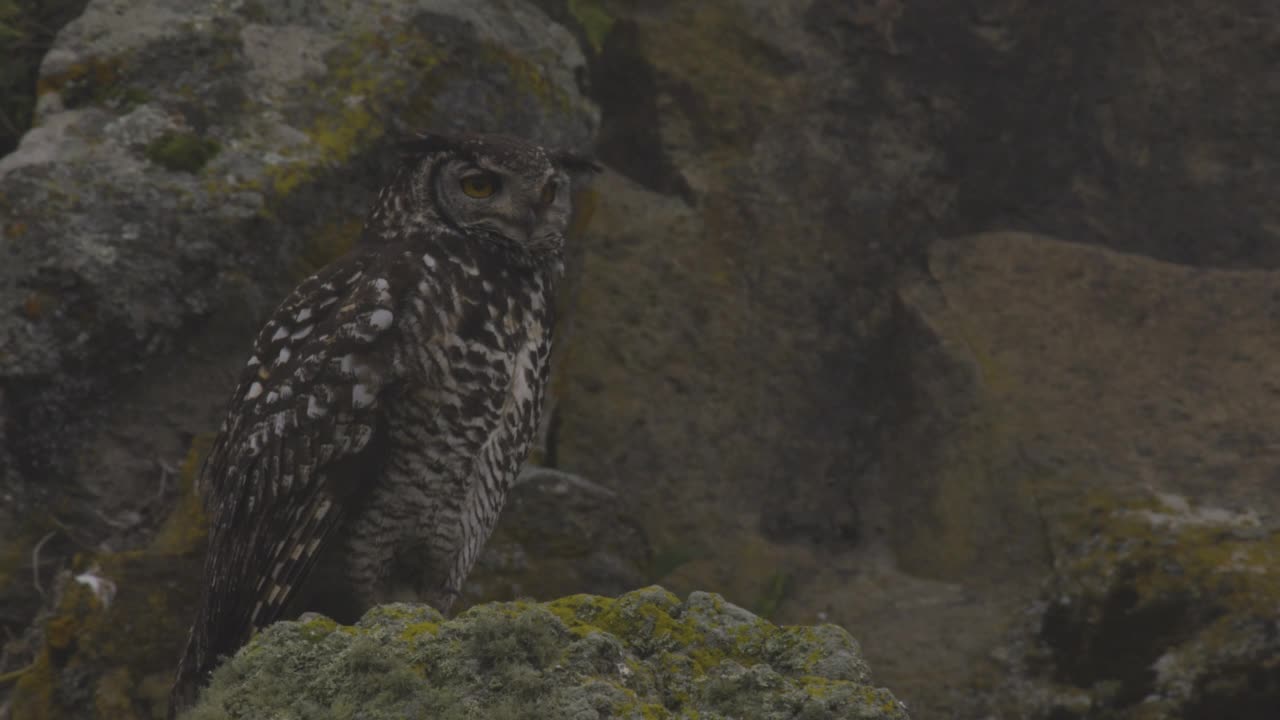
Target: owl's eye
[
  {"x": 549, "y": 193},
  {"x": 479, "y": 185}
]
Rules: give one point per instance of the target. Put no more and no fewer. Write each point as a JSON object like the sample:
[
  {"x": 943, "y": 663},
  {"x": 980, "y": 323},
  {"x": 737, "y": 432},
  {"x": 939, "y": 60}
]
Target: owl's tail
[{"x": 189, "y": 676}]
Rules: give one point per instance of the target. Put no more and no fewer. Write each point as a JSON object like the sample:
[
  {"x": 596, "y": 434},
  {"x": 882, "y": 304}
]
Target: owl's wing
[{"x": 298, "y": 439}]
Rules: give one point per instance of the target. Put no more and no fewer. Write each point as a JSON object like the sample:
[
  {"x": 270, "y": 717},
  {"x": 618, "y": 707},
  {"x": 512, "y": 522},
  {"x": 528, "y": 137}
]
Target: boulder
[
  {"x": 560, "y": 533},
  {"x": 809, "y": 394},
  {"x": 1088, "y": 461},
  {"x": 645, "y": 654},
  {"x": 187, "y": 166}
]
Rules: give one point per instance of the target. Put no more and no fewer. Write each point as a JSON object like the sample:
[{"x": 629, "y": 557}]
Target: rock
[
  {"x": 645, "y": 654},
  {"x": 811, "y": 398},
  {"x": 1092, "y": 452},
  {"x": 178, "y": 170},
  {"x": 188, "y": 165},
  {"x": 560, "y": 533},
  {"x": 718, "y": 372},
  {"x": 1052, "y": 371},
  {"x": 27, "y": 29},
  {"x": 1158, "y": 609}
]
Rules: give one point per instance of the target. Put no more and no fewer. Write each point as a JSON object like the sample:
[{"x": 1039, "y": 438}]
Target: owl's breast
[{"x": 474, "y": 349}]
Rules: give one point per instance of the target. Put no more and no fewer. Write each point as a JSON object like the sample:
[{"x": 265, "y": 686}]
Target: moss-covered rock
[
  {"x": 107, "y": 644},
  {"x": 1166, "y": 609},
  {"x": 185, "y": 168},
  {"x": 186, "y": 152},
  {"x": 644, "y": 655},
  {"x": 27, "y": 29},
  {"x": 559, "y": 534},
  {"x": 1095, "y": 451}
]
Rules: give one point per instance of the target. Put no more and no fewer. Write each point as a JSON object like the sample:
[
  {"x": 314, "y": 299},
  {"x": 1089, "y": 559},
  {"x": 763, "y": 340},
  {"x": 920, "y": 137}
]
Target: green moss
[
  {"x": 27, "y": 29},
  {"x": 360, "y": 90},
  {"x": 33, "y": 694},
  {"x": 317, "y": 629},
  {"x": 667, "y": 559},
  {"x": 713, "y": 49},
  {"x": 112, "y": 697},
  {"x": 130, "y": 97},
  {"x": 182, "y": 152},
  {"x": 94, "y": 80},
  {"x": 594, "y": 20},
  {"x": 125, "y": 648},
  {"x": 287, "y": 177},
  {"x": 345, "y": 113},
  {"x": 416, "y": 629},
  {"x": 111, "y": 645},
  {"x": 528, "y": 77},
  {"x": 186, "y": 527},
  {"x": 642, "y": 710},
  {"x": 328, "y": 243},
  {"x": 643, "y": 655},
  {"x": 1159, "y": 578},
  {"x": 12, "y": 559},
  {"x": 254, "y": 11},
  {"x": 772, "y": 595},
  {"x": 1167, "y": 547}
]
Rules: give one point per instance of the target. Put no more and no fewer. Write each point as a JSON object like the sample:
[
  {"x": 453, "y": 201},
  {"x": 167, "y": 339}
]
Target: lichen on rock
[
  {"x": 188, "y": 164},
  {"x": 645, "y": 655},
  {"x": 1167, "y": 610},
  {"x": 185, "y": 152}
]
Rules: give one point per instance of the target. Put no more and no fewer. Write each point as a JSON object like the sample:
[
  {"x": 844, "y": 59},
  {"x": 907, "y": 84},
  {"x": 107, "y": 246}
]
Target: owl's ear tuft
[
  {"x": 425, "y": 143},
  {"x": 574, "y": 162}
]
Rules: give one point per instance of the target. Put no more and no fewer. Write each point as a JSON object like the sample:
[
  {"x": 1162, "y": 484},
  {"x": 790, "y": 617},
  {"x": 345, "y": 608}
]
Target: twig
[
  {"x": 117, "y": 524},
  {"x": 35, "y": 564},
  {"x": 71, "y": 535},
  {"x": 15, "y": 674},
  {"x": 166, "y": 471}
]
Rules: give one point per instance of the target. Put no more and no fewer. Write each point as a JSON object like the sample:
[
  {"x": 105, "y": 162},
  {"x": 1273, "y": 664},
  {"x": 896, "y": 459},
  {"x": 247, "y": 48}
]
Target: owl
[{"x": 390, "y": 399}]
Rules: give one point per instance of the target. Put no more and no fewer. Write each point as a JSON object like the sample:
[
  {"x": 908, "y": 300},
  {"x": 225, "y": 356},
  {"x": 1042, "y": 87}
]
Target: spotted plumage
[{"x": 390, "y": 399}]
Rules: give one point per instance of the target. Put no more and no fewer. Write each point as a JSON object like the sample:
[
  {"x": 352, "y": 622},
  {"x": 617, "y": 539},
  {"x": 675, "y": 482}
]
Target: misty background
[{"x": 951, "y": 323}]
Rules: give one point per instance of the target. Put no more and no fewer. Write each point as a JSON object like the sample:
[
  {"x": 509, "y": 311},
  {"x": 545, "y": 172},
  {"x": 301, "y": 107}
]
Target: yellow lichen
[
  {"x": 416, "y": 629},
  {"x": 328, "y": 243},
  {"x": 112, "y": 695},
  {"x": 357, "y": 87},
  {"x": 584, "y": 203},
  {"x": 98, "y": 73},
  {"x": 595, "y": 21},
  {"x": 318, "y": 628},
  {"x": 288, "y": 176},
  {"x": 182, "y": 152},
  {"x": 185, "y": 529},
  {"x": 60, "y": 632},
  {"x": 33, "y": 694},
  {"x": 715, "y": 51},
  {"x": 133, "y": 633},
  {"x": 528, "y": 76},
  {"x": 1164, "y": 550}
]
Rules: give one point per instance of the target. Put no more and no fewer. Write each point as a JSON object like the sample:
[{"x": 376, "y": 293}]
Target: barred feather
[
  {"x": 307, "y": 405},
  {"x": 389, "y": 400}
]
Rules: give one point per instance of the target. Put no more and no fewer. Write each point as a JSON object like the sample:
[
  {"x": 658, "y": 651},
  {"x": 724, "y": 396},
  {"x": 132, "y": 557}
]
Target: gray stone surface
[
  {"x": 191, "y": 162},
  {"x": 802, "y": 388},
  {"x": 644, "y": 655},
  {"x": 560, "y": 534},
  {"x": 124, "y": 251}
]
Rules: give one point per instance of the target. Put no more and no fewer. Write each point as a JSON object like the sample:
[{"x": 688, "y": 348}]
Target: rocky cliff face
[{"x": 805, "y": 363}]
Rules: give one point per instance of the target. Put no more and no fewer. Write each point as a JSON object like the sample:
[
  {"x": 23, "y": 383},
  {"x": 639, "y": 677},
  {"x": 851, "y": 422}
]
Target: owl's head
[{"x": 495, "y": 186}]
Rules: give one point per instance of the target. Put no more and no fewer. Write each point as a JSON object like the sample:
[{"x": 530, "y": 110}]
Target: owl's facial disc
[{"x": 527, "y": 205}]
